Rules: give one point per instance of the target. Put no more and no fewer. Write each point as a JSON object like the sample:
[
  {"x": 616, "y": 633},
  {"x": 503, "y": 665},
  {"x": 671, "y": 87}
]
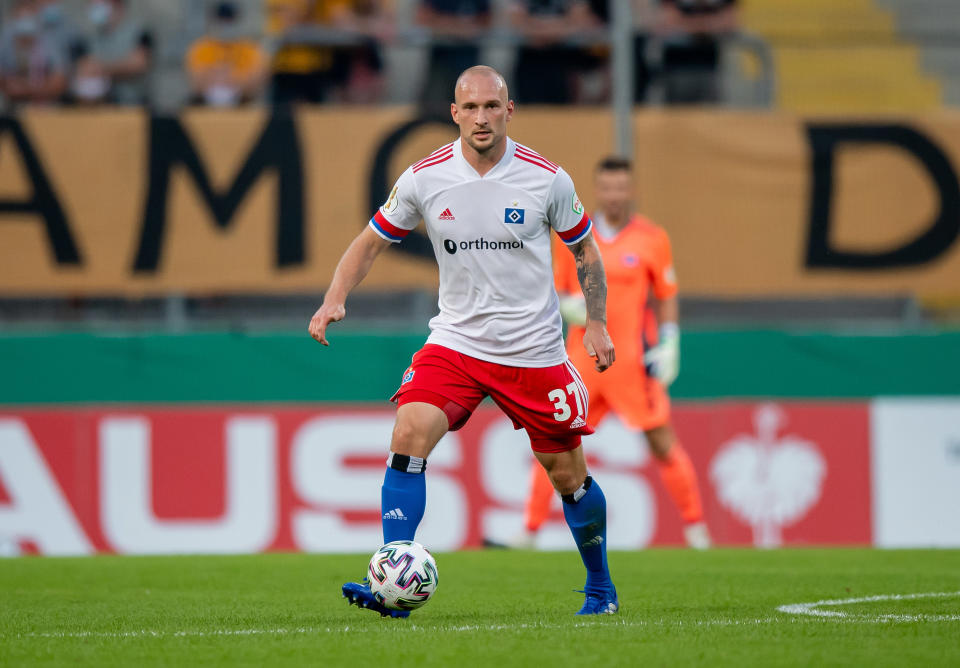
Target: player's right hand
[
  {"x": 599, "y": 345},
  {"x": 324, "y": 316}
]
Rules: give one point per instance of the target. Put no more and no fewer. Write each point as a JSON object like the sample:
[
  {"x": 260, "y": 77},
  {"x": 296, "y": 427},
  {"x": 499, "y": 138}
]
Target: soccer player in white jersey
[{"x": 489, "y": 204}]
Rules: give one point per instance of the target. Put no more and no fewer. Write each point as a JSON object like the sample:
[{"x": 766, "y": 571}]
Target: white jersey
[{"x": 491, "y": 237}]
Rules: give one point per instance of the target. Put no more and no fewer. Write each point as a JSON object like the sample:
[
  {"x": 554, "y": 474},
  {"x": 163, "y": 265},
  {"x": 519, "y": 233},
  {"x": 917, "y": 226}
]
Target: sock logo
[
  {"x": 578, "y": 422},
  {"x": 397, "y": 514},
  {"x": 596, "y": 541}
]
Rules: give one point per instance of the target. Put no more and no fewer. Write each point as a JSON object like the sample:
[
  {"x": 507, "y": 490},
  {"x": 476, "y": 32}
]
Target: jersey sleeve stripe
[
  {"x": 423, "y": 164},
  {"x": 442, "y": 149},
  {"x": 577, "y": 233},
  {"x": 429, "y": 161},
  {"x": 536, "y": 162},
  {"x": 533, "y": 154},
  {"x": 383, "y": 227}
]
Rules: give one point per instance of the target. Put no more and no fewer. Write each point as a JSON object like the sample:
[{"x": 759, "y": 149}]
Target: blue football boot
[
  {"x": 359, "y": 594},
  {"x": 602, "y": 603}
]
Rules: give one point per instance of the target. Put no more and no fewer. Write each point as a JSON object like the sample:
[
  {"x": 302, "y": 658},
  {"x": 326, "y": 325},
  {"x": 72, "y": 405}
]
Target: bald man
[{"x": 489, "y": 205}]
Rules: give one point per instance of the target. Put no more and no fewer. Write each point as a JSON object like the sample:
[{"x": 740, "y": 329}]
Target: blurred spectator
[
  {"x": 300, "y": 71},
  {"x": 225, "y": 67},
  {"x": 549, "y": 64},
  {"x": 455, "y": 26},
  {"x": 32, "y": 71},
  {"x": 328, "y": 50},
  {"x": 692, "y": 32},
  {"x": 58, "y": 29},
  {"x": 369, "y": 20},
  {"x": 646, "y": 14},
  {"x": 115, "y": 61},
  {"x": 593, "y": 76}
]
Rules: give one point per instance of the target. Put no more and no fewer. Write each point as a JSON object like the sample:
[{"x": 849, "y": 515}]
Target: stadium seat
[{"x": 847, "y": 57}]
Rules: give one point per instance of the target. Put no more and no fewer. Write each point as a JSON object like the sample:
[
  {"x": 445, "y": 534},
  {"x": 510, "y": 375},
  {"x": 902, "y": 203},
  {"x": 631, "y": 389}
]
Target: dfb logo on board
[{"x": 766, "y": 481}]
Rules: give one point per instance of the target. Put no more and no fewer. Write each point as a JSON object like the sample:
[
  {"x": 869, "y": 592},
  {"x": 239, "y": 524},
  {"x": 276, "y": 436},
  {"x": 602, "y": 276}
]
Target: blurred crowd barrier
[{"x": 248, "y": 201}]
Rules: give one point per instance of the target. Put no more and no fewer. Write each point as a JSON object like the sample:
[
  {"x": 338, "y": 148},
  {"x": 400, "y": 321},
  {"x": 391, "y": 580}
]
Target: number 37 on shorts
[
  {"x": 560, "y": 396},
  {"x": 565, "y": 398}
]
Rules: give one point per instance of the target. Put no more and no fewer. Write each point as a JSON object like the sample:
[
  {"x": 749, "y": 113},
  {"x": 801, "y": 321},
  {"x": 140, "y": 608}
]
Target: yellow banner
[{"x": 757, "y": 204}]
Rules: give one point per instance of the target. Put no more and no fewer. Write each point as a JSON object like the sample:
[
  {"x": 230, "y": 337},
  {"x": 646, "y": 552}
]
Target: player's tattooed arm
[
  {"x": 593, "y": 283},
  {"x": 593, "y": 279}
]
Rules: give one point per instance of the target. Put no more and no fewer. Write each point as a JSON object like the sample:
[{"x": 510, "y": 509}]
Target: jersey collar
[{"x": 467, "y": 169}]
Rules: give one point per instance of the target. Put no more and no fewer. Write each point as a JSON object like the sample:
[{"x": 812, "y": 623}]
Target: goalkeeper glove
[
  {"x": 663, "y": 360},
  {"x": 573, "y": 310}
]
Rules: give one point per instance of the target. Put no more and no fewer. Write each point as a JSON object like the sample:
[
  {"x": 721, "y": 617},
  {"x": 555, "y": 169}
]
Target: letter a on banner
[
  {"x": 38, "y": 511},
  {"x": 43, "y": 202}
]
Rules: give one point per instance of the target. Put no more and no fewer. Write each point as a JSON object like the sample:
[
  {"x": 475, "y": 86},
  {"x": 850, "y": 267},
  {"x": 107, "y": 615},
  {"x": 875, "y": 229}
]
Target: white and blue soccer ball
[{"x": 403, "y": 575}]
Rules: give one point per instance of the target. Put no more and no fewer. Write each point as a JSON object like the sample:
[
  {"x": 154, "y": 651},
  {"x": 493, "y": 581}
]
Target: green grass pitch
[{"x": 716, "y": 608}]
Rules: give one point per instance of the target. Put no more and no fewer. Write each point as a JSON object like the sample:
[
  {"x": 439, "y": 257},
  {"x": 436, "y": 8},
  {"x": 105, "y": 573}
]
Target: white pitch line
[
  {"x": 467, "y": 628},
  {"x": 798, "y": 610},
  {"x": 399, "y": 626},
  {"x": 813, "y": 609}
]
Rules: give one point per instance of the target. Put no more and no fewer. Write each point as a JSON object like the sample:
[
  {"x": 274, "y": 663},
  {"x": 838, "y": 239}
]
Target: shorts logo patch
[
  {"x": 578, "y": 422},
  {"x": 407, "y": 377},
  {"x": 513, "y": 216},
  {"x": 630, "y": 260}
]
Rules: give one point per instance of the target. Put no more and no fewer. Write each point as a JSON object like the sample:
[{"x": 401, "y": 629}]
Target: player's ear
[
  {"x": 453, "y": 112},
  {"x": 510, "y": 108}
]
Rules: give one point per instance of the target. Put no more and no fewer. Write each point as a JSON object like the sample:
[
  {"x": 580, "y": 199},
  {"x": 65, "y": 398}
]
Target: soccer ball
[{"x": 403, "y": 575}]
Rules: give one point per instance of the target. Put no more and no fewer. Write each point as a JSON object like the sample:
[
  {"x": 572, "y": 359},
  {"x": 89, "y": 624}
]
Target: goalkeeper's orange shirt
[{"x": 638, "y": 262}]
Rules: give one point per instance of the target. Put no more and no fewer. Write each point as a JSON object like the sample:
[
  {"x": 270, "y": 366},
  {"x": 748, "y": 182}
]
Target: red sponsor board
[
  {"x": 786, "y": 473},
  {"x": 254, "y": 478}
]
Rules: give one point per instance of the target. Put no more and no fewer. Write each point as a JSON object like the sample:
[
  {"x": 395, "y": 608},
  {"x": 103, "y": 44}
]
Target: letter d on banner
[{"x": 935, "y": 240}]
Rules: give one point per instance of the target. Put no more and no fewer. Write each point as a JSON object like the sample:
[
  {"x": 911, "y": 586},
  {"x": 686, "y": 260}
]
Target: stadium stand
[
  {"x": 850, "y": 56},
  {"x": 934, "y": 25}
]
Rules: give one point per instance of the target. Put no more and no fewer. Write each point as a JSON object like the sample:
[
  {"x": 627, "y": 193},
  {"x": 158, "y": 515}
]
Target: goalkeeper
[{"x": 642, "y": 294}]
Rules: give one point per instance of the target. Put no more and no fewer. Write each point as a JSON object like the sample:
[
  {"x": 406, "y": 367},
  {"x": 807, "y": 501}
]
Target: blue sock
[
  {"x": 403, "y": 497},
  {"x": 586, "y": 513}
]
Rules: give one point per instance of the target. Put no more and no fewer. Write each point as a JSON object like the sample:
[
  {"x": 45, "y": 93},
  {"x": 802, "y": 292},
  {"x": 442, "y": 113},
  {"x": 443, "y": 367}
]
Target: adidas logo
[
  {"x": 593, "y": 542},
  {"x": 447, "y": 215},
  {"x": 578, "y": 422},
  {"x": 395, "y": 514}
]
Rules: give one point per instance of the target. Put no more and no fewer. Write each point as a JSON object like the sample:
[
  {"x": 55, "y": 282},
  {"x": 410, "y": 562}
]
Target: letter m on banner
[{"x": 276, "y": 149}]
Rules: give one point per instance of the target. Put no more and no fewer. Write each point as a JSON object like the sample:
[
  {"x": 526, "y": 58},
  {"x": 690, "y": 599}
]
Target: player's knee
[
  {"x": 409, "y": 439},
  {"x": 660, "y": 440},
  {"x": 660, "y": 449},
  {"x": 566, "y": 481}
]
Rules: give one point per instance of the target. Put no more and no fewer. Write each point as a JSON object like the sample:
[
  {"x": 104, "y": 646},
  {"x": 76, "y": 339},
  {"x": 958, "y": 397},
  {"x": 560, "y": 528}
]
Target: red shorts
[
  {"x": 549, "y": 402},
  {"x": 625, "y": 389}
]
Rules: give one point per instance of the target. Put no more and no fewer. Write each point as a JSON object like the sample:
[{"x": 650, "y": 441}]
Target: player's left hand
[
  {"x": 663, "y": 359},
  {"x": 599, "y": 345}
]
